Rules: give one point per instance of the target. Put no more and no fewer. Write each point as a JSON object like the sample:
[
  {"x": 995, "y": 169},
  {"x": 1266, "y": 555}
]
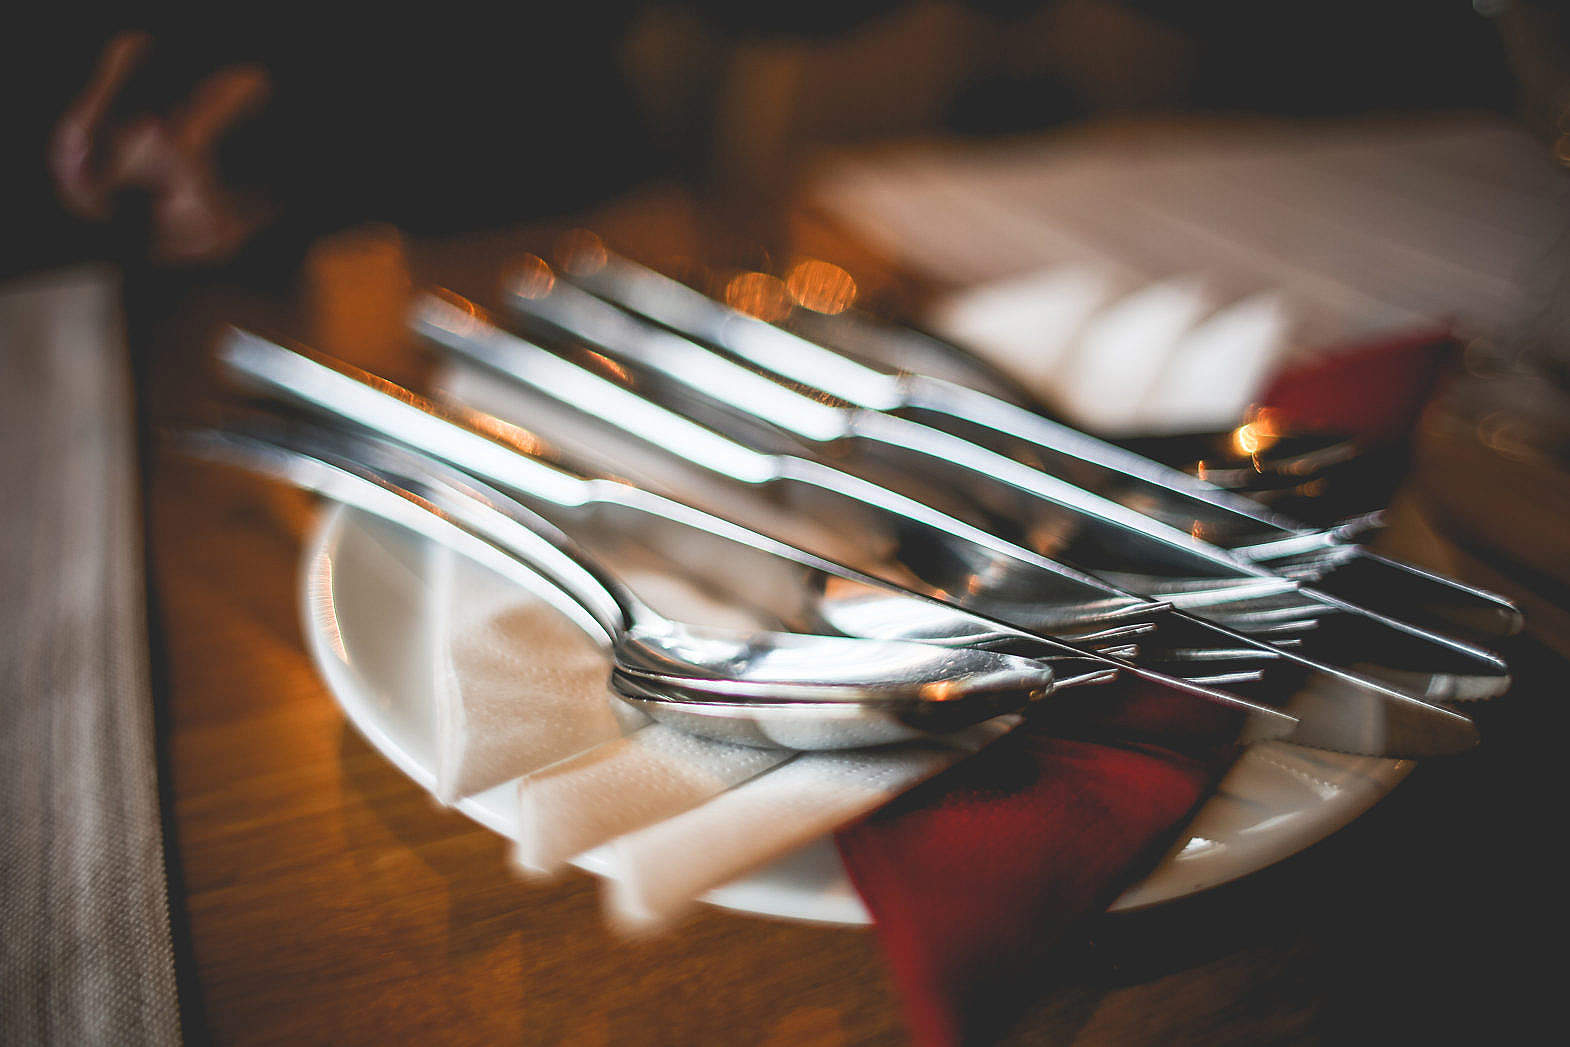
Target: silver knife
[{"x": 1226, "y": 519}]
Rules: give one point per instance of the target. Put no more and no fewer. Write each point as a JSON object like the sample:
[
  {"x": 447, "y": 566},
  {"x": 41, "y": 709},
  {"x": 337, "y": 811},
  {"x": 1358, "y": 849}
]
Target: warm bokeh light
[
  {"x": 1246, "y": 439},
  {"x": 608, "y": 366},
  {"x": 943, "y": 691},
  {"x": 532, "y": 277},
  {"x": 357, "y": 291},
  {"x": 506, "y": 433},
  {"x": 758, "y": 294},
  {"x": 1256, "y": 435},
  {"x": 821, "y": 286},
  {"x": 1505, "y": 435},
  {"x": 580, "y": 251}
]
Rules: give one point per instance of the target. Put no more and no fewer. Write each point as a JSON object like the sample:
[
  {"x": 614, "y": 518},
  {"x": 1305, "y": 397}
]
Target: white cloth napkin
[
  {"x": 1028, "y": 326},
  {"x": 657, "y": 871},
  {"x": 518, "y": 685},
  {"x": 663, "y": 816},
  {"x": 622, "y": 786},
  {"x": 1164, "y": 357},
  {"x": 1218, "y": 368}
]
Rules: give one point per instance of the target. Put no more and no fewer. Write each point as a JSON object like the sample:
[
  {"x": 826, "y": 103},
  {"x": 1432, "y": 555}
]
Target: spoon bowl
[{"x": 770, "y": 724}]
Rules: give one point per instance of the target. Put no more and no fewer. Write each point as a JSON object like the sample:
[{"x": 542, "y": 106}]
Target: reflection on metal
[
  {"x": 759, "y": 295},
  {"x": 581, "y": 251},
  {"x": 821, "y": 286},
  {"x": 509, "y": 435},
  {"x": 321, "y": 576},
  {"x": 1256, "y": 435},
  {"x": 532, "y": 277},
  {"x": 608, "y": 366},
  {"x": 1250, "y": 440}
]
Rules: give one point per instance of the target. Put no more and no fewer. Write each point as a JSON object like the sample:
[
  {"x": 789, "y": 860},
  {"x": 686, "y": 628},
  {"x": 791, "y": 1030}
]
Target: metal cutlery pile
[{"x": 920, "y": 556}]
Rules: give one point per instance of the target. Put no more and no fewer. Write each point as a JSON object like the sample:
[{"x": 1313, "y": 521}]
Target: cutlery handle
[
  {"x": 679, "y": 307},
  {"x": 298, "y": 457},
  {"x": 562, "y": 309},
  {"x": 371, "y": 403},
  {"x": 412, "y": 444},
  {"x": 456, "y": 325},
  {"x": 1061, "y": 595},
  {"x": 1231, "y": 519}
]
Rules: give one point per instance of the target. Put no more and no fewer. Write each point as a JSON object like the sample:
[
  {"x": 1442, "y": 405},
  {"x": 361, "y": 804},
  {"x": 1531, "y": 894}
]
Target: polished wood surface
[{"x": 324, "y": 897}]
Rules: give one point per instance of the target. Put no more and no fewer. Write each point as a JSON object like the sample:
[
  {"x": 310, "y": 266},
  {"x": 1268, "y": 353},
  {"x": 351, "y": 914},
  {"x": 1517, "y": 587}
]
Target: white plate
[{"x": 366, "y": 602}]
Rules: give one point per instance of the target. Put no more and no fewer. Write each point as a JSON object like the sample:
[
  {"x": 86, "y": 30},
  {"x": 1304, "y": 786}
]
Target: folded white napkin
[
  {"x": 501, "y": 652},
  {"x": 1118, "y": 358},
  {"x": 655, "y": 873},
  {"x": 1027, "y": 326},
  {"x": 664, "y": 816},
  {"x": 624, "y": 785},
  {"x": 1218, "y": 368},
  {"x": 1122, "y": 360}
]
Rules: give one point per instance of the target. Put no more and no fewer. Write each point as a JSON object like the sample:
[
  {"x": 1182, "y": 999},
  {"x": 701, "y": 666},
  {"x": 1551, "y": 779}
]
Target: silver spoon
[
  {"x": 789, "y": 690},
  {"x": 779, "y": 725}
]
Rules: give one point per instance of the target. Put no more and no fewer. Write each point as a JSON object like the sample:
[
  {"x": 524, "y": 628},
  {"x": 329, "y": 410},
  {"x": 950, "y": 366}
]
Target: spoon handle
[{"x": 313, "y": 459}]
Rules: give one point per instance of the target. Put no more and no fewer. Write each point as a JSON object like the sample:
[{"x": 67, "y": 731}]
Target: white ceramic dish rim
[{"x": 1277, "y": 800}]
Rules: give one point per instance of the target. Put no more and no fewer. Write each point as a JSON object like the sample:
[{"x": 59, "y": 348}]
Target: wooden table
[{"x": 323, "y": 897}]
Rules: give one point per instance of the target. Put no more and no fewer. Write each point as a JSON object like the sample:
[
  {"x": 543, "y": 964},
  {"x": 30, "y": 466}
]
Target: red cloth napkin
[
  {"x": 1373, "y": 390},
  {"x": 974, "y": 877}
]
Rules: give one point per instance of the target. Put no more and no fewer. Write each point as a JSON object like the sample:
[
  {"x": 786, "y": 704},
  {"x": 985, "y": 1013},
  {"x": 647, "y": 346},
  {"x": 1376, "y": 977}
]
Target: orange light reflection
[
  {"x": 507, "y": 434},
  {"x": 1256, "y": 435},
  {"x": 581, "y": 251},
  {"x": 605, "y": 363},
  {"x": 532, "y": 277},
  {"x": 821, "y": 286},
  {"x": 758, "y": 294}
]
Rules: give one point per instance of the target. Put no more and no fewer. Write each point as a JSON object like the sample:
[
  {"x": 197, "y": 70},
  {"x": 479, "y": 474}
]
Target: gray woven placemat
[{"x": 85, "y": 952}]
